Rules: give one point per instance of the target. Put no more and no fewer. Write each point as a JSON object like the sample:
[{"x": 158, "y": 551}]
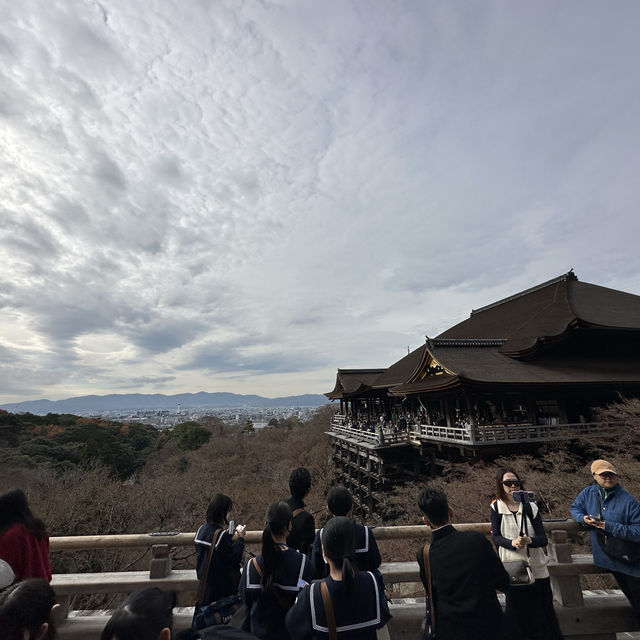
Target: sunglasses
[
  {"x": 511, "y": 483},
  {"x": 606, "y": 474}
]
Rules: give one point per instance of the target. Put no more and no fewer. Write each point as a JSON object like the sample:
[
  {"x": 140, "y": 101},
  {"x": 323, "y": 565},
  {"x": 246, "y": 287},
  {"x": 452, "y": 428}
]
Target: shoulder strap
[
  {"x": 203, "y": 581},
  {"x": 257, "y": 567},
  {"x": 295, "y": 512},
  {"x": 328, "y": 608},
  {"x": 427, "y": 573}
]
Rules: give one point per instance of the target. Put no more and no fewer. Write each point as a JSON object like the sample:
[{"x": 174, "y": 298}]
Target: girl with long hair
[
  {"x": 352, "y": 601},
  {"x": 24, "y": 542},
  {"x": 271, "y": 581},
  {"x": 224, "y": 572},
  {"x": 529, "y": 608}
]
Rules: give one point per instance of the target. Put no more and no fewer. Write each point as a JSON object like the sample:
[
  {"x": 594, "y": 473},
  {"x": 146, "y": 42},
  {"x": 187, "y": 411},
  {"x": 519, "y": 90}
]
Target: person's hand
[
  {"x": 240, "y": 531},
  {"x": 518, "y": 543},
  {"x": 527, "y": 539},
  {"x": 592, "y": 522}
]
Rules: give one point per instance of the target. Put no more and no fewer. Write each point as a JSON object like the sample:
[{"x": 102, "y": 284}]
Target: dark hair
[
  {"x": 434, "y": 505},
  {"x": 338, "y": 544},
  {"x": 14, "y": 509},
  {"x": 25, "y": 607},
  {"x": 142, "y": 616},
  {"x": 299, "y": 482},
  {"x": 500, "y": 492},
  {"x": 277, "y": 519},
  {"x": 339, "y": 501},
  {"x": 218, "y": 509}
]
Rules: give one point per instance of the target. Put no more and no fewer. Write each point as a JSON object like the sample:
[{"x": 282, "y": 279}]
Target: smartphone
[
  {"x": 596, "y": 518},
  {"x": 232, "y": 527}
]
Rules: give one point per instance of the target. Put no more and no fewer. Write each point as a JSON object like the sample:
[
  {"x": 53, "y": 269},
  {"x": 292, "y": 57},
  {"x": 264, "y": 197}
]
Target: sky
[{"x": 243, "y": 196}]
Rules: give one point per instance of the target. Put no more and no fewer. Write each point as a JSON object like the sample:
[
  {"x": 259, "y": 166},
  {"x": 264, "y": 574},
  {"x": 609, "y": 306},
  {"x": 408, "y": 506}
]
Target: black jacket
[
  {"x": 367, "y": 556},
  {"x": 224, "y": 572},
  {"x": 357, "y": 615},
  {"x": 465, "y": 574},
  {"x": 303, "y": 529},
  {"x": 267, "y": 609}
]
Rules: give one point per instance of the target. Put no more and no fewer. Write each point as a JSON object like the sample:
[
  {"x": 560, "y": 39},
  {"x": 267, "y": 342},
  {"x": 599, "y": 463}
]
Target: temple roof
[
  {"x": 403, "y": 370},
  {"x": 353, "y": 381},
  {"x": 560, "y": 332},
  {"x": 546, "y": 312}
]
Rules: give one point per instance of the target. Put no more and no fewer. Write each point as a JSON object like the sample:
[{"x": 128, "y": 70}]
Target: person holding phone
[
  {"x": 612, "y": 515},
  {"x": 529, "y": 608},
  {"x": 223, "y": 575},
  {"x": 270, "y": 582}
]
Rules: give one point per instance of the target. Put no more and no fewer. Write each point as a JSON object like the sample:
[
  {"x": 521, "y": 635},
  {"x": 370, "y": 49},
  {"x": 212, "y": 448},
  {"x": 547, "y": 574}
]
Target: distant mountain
[{"x": 141, "y": 401}]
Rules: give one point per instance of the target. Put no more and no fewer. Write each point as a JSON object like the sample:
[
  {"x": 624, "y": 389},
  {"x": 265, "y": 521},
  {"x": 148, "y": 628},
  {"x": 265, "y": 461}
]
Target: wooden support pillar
[
  {"x": 567, "y": 590},
  {"x": 160, "y": 561}
]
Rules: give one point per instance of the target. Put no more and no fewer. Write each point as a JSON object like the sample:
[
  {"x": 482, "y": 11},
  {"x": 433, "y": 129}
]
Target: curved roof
[
  {"x": 352, "y": 381},
  {"x": 403, "y": 370},
  {"x": 545, "y": 313}
]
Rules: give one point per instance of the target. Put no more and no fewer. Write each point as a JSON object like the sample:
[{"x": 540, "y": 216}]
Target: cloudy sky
[{"x": 226, "y": 195}]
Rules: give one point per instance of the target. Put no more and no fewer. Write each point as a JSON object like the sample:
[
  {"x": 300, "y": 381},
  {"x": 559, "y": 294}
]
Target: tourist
[
  {"x": 367, "y": 556},
  {"x": 219, "y": 567},
  {"x": 271, "y": 582},
  {"x": 529, "y": 608},
  {"x": 303, "y": 530},
  {"x": 26, "y": 611},
  {"x": 24, "y": 542},
  {"x": 355, "y": 598},
  {"x": 613, "y": 518},
  {"x": 145, "y": 615},
  {"x": 462, "y": 574}
]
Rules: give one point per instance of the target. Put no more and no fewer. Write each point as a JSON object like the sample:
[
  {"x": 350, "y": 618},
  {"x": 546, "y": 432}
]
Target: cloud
[{"x": 255, "y": 194}]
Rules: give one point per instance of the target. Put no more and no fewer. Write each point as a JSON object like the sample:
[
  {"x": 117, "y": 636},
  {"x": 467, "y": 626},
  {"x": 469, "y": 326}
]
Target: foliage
[
  {"x": 63, "y": 442},
  {"x": 190, "y": 436}
]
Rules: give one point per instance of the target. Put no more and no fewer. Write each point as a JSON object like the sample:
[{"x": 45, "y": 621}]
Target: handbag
[
  {"x": 520, "y": 574},
  {"x": 218, "y": 612},
  {"x": 626, "y": 551}
]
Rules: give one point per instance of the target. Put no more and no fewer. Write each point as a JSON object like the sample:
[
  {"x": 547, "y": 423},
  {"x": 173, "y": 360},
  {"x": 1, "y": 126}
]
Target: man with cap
[{"x": 606, "y": 508}]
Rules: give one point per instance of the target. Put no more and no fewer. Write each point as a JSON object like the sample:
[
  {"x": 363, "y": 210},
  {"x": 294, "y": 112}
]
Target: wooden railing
[
  {"x": 594, "y": 616},
  {"x": 475, "y": 435}
]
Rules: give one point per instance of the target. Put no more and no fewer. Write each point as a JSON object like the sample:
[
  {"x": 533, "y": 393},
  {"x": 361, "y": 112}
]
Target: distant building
[{"x": 527, "y": 369}]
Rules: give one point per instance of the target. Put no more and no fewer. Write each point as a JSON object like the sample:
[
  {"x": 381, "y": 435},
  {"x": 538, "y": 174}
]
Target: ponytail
[
  {"x": 338, "y": 543},
  {"x": 278, "y": 519},
  {"x": 348, "y": 575}
]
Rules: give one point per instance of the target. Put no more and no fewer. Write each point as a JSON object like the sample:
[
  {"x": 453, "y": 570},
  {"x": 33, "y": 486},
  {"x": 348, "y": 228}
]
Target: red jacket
[{"x": 28, "y": 556}]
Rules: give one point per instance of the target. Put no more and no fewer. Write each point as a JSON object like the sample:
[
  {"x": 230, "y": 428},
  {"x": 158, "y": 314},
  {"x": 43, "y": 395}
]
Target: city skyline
[{"x": 243, "y": 197}]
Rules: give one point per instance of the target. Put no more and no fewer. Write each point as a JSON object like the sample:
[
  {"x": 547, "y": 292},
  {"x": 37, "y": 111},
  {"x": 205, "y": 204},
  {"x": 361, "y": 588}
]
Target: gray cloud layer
[{"x": 244, "y": 196}]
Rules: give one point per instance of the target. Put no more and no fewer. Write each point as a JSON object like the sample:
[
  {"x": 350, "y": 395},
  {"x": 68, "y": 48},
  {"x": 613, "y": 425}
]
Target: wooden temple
[{"x": 528, "y": 369}]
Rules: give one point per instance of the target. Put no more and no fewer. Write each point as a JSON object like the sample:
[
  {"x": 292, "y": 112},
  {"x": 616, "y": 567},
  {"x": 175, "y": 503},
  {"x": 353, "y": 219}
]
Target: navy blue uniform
[
  {"x": 367, "y": 556},
  {"x": 357, "y": 615},
  {"x": 224, "y": 572},
  {"x": 303, "y": 527},
  {"x": 267, "y": 609}
]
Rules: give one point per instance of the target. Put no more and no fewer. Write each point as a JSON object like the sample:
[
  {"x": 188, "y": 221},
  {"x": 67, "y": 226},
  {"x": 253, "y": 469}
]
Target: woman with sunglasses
[{"x": 529, "y": 608}]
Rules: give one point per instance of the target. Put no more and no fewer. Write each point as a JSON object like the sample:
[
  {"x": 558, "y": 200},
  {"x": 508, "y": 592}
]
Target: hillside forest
[{"x": 86, "y": 477}]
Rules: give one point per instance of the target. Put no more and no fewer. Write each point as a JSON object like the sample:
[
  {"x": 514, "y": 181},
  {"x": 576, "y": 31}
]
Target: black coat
[
  {"x": 465, "y": 574},
  {"x": 267, "y": 609},
  {"x": 224, "y": 572},
  {"x": 367, "y": 554},
  {"x": 303, "y": 527},
  {"x": 357, "y": 615}
]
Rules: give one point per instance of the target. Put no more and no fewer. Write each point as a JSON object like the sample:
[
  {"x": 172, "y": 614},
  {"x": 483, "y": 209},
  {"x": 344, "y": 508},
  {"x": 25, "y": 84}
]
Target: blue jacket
[{"x": 621, "y": 514}]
